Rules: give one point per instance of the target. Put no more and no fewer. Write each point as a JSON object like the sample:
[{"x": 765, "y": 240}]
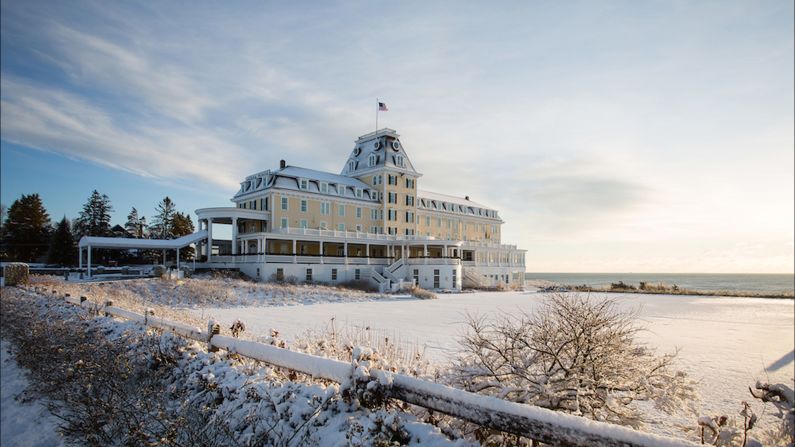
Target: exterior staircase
[
  {"x": 383, "y": 284},
  {"x": 473, "y": 278}
]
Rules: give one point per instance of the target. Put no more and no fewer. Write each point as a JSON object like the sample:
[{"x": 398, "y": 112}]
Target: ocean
[{"x": 766, "y": 283}]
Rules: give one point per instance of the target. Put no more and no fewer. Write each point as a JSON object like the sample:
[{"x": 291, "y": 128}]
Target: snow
[
  {"x": 164, "y": 244},
  {"x": 22, "y": 423},
  {"x": 726, "y": 343}
]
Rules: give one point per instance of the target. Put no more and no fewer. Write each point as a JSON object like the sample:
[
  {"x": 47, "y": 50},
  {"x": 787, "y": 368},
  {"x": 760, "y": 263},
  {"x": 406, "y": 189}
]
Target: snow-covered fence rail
[{"x": 536, "y": 423}]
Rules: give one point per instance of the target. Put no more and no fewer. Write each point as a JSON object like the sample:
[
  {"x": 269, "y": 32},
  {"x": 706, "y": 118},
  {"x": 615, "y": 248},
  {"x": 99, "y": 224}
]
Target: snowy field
[
  {"x": 726, "y": 343},
  {"x": 22, "y": 423}
]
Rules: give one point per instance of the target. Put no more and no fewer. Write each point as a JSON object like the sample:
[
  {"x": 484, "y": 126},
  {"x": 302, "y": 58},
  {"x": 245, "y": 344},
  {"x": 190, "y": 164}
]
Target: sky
[{"x": 612, "y": 136}]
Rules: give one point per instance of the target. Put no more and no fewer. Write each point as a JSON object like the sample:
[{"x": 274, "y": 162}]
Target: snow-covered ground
[
  {"x": 23, "y": 424},
  {"x": 726, "y": 343}
]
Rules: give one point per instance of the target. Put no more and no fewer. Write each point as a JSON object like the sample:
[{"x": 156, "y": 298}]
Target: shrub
[
  {"x": 16, "y": 273},
  {"x": 419, "y": 292},
  {"x": 575, "y": 354},
  {"x": 359, "y": 284}
]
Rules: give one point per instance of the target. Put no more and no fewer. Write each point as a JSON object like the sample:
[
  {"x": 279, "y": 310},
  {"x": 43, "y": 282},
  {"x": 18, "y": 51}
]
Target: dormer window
[
  {"x": 303, "y": 184},
  {"x": 324, "y": 187},
  {"x": 359, "y": 193},
  {"x": 341, "y": 190},
  {"x": 373, "y": 159},
  {"x": 351, "y": 166},
  {"x": 399, "y": 161}
]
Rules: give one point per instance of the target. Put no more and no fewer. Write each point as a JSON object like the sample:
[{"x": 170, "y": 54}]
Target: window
[
  {"x": 279, "y": 274},
  {"x": 410, "y": 200},
  {"x": 358, "y": 212},
  {"x": 359, "y": 193},
  {"x": 253, "y": 204},
  {"x": 284, "y": 203},
  {"x": 435, "y": 278},
  {"x": 341, "y": 210},
  {"x": 410, "y": 183},
  {"x": 427, "y": 221},
  {"x": 438, "y": 221},
  {"x": 409, "y": 217},
  {"x": 303, "y": 184},
  {"x": 325, "y": 208},
  {"x": 454, "y": 280},
  {"x": 374, "y": 230},
  {"x": 323, "y": 225},
  {"x": 392, "y": 179},
  {"x": 372, "y": 159},
  {"x": 399, "y": 160},
  {"x": 373, "y": 214},
  {"x": 333, "y": 274},
  {"x": 377, "y": 180},
  {"x": 341, "y": 227},
  {"x": 284, "y": 222},
  {"x": 358, "y": 227},
  {"x": 308, "y": 275},
  {"x": 303, "y": 223},
  {"x": 416, "y": 276},
  {"x": 357, "y": 274},
  {"x": 392, "y": 197},
  {"x": 392, "y": 214},
  {"x": 324, "y": 187},
  {"x": 341, "y": 190},
  {"x": 303, "y": 206},
  {"x": 351, "y": 165}
]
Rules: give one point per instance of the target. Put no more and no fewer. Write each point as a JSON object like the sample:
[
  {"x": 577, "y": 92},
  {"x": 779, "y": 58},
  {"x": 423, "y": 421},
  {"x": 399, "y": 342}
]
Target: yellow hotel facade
[{"x": 371, "y": 223}]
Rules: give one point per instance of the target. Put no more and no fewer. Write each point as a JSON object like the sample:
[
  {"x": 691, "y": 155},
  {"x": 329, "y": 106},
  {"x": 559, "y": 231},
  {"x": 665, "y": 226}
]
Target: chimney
[
  {"x": 283, "y": 164},
  {"x": 466, "y": 197}
]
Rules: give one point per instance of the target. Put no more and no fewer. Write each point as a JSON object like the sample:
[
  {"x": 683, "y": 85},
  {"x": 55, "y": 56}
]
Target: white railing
[
  {"x": 433, "y": 261},
  {"x": 532, "y": 422}
]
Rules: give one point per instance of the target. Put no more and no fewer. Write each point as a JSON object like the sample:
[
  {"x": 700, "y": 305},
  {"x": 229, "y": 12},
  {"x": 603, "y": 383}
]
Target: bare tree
[{"x": 576, "y": 354}]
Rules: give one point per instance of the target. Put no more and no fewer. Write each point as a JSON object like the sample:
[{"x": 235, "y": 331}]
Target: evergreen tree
[
  {"x": 183, "y": 226},
  {"x": 94, "y": 219},
  {"x": 135, "y": 225},
  {"x": 3, "y": 253},
  {"x": 26, "y": 229},
  {"x": 163, "y": 222},
  {"x": 63, "y": 250}
]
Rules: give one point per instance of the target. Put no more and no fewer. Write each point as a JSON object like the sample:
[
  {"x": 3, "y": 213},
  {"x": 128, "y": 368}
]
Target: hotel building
[{"x": 371, "y": 222}]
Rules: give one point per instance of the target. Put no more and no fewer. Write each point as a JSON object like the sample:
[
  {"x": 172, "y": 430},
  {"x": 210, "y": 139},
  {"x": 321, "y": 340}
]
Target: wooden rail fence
[{"x": 536, "y": 423}]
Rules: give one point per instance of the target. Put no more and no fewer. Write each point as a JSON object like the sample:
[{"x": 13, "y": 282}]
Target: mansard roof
[
  {"x": 378, "y": 150},
  {"x": 435, "y": 201},
  {"x": 290, "y": 177}
]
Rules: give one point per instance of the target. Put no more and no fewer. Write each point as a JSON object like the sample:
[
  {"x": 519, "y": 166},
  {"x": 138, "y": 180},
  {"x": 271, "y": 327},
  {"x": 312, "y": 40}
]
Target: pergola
[{"x": 89, "y": 242}]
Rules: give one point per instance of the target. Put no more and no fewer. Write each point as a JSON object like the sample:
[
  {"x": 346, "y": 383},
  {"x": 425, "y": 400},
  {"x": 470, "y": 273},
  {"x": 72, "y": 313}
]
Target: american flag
[{"x": 382, "y": 107}]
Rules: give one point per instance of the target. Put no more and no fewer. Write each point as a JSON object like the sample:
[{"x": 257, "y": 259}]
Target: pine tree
[
  {"x": 183, "y": 226},
  {"x": 94, "y": 219},
  {"x": 26, "y": 229},
  {"x": 135, "y": 225},
  {"x": 63, "y": 250},
  {"x": 163, "y": 222}
]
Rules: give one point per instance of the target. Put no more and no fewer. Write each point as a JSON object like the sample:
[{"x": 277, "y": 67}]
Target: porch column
[
  {"x": 445, "y": 254},
  {"x": 89, "y": 261},
  {"x": 425, "y": 253},
  {"x": 295, "y": 260},
  {"x": 367, "y": 252},
  {"x": 234, "y": 236},
  {"x": 345, "y": 251},
  {"x": 209, "y": 239},
  {"x": 264, "y": 250}
]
